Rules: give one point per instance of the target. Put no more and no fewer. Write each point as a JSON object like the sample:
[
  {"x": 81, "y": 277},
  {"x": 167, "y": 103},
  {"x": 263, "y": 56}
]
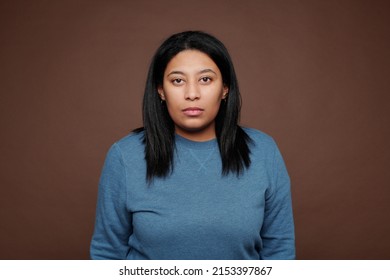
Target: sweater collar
[{"x": 195, "y": 145}]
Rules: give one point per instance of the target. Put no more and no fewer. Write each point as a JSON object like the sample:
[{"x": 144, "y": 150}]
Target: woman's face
[{"x": 193, "y": 90}]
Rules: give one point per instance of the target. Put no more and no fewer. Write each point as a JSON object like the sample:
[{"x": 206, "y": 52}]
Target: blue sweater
[{"x": 195, "y": 213}]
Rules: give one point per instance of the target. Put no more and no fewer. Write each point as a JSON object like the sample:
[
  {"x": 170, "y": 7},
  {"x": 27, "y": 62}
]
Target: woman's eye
[
  {"x": 177, "y": 81},
  {"x": 205, "y": 79}
]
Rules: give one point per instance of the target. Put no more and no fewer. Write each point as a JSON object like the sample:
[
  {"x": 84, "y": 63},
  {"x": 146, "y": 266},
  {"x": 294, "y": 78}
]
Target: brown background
[{"x": 313, "y": 74}]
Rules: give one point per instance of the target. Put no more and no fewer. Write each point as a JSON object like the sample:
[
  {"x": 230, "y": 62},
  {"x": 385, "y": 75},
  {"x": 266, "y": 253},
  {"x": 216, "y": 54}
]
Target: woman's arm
[
  {"x": 277, "y": 232},
  {"x": 113, "y": 220}
]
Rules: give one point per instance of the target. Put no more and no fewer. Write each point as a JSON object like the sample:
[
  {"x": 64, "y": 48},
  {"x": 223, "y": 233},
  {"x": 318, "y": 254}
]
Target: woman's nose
[{"x": 192, "y": 91}]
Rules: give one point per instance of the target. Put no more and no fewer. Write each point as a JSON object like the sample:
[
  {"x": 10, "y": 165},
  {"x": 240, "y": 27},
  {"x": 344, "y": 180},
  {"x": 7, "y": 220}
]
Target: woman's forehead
[{"x": 191, "y": 61}]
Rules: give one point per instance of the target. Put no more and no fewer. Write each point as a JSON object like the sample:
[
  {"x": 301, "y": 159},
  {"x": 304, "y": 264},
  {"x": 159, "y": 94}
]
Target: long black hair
[{"x": 159, "y": 129}]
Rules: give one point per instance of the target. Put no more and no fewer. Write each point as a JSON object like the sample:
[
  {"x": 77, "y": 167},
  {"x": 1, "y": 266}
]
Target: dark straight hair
[{"x": 159, "y": 129}]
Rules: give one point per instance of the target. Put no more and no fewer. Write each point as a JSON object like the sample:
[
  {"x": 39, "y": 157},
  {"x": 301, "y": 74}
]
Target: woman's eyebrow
[
  {"x": 208, "y": 70},
  {"x": 176, "y": 72}
]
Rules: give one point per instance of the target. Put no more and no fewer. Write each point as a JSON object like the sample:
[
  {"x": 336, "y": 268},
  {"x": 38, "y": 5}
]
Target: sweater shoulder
[
  {"x": 130, "y": 147},
  {"x": 133, "y": 140},
  {"x": 260, "y": 138}
]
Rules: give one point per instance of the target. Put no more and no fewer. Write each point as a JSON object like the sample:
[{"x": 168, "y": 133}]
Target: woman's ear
[
  {"x": 225, "y": 92},
  {"x": 161, "y": 92}
]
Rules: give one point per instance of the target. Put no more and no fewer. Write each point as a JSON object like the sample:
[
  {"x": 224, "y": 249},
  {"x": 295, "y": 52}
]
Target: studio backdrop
[{"x": 313, "y": 74}]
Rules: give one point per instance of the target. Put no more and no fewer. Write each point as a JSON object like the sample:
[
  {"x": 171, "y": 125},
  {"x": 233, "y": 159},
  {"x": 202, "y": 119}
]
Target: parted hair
[{"x": 159, "y": 128}]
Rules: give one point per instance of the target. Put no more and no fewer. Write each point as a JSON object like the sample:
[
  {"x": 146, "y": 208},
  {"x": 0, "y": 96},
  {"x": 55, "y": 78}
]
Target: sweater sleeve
[
  {"x": 277, "y": 232},
  {"x": 113, "y": 220}
]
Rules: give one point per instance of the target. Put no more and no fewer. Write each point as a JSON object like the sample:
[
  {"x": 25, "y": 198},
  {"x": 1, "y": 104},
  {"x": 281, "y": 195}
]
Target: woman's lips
[{"x": 192, "y": 111}]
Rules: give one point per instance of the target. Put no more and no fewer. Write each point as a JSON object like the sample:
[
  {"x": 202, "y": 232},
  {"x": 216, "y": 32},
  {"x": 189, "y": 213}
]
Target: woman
[{"x": 192, "y": 183}]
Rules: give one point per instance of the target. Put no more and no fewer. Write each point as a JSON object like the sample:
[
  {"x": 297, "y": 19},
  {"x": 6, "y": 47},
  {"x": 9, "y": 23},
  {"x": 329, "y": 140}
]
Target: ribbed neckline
[{"x": 195, "y": 145}]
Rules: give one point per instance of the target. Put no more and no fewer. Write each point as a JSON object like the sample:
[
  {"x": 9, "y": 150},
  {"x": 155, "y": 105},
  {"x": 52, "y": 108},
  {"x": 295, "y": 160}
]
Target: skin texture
[{"x": 193, "y": 90}]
